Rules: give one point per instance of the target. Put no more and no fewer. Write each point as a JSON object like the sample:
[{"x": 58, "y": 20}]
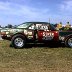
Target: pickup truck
[{"x": 31, "y": 32}]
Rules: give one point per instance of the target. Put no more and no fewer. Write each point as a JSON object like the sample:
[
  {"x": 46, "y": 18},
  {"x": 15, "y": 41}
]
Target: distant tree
[
  {"x": 10, "y": 26},
  {"x": 0, "y": 26},
  {"x": 15, "y": 26},
  {"x": 6, "y": 26}
]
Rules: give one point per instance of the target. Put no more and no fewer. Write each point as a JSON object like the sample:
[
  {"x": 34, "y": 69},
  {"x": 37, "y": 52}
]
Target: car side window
[
  {"x": 38, "y": 26},
  {"x": 42, "y": 26},
  {"x": 32, "y": 27}
]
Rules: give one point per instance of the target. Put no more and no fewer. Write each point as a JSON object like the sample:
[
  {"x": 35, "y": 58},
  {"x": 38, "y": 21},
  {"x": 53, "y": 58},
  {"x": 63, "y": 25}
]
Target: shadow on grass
[{"x": 43, "y": 45}]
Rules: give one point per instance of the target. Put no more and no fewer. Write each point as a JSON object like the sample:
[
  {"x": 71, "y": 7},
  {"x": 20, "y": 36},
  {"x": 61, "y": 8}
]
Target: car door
[
  {"x": 45, "y": 33},
  {"x": 30, "y": 32}
]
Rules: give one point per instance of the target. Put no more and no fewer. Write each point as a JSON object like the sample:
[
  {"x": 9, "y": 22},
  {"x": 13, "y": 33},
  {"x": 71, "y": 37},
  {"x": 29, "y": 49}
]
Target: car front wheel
[{"x": 18, "y": 41}]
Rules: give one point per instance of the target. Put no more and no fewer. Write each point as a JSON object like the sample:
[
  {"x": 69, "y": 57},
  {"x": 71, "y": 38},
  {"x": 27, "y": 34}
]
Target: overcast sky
[{"x": 19, "y": 11}]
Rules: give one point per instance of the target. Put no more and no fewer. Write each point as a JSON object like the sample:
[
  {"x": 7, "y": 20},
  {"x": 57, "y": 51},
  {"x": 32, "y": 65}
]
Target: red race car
[{"x": 31, "y": 32}]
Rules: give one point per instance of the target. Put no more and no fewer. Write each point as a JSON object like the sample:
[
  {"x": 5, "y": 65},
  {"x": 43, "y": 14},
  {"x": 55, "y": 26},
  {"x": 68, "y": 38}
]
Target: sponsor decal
[
  {"x": 25, "y": 32},
  {"x": 30, "y": 37},
  {"x": 48, "y": 36},
  {"x": 29, "y": 33},
  {"x": 15, "y": 30},
  {"x": 8, "y": 36}
]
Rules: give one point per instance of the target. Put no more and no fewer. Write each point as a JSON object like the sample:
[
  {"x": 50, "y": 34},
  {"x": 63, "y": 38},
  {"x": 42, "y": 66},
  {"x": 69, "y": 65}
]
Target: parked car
[{"x": 29, "y": 32}]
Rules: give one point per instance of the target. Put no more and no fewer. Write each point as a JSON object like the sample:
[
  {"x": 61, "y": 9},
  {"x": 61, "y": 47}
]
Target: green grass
[{"x": 35, "y": 59}]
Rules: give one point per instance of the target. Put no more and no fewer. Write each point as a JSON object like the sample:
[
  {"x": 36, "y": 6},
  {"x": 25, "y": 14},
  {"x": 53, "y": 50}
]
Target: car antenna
[{"x": 49, "y": 20}]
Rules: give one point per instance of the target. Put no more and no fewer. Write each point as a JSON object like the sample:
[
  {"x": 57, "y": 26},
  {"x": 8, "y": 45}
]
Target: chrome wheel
[
  {"x": 19, "y": 42},
  {"x": 70, "y": 42}
]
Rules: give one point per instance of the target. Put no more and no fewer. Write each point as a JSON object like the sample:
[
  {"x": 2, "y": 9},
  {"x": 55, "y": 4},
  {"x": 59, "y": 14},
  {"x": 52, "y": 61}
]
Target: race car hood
[
  {"x": 11, "y": 31},
  {"x": 4, "y": 29}
]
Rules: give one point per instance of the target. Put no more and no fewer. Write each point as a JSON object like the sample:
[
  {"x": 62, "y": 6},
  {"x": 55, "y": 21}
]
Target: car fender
[
  {"x": 70, "y": 35},
  {"x": 19, "y": 34}
]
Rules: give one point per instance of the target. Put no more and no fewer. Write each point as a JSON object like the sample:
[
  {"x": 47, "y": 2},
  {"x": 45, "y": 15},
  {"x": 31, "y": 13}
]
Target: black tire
[
  {"x": 68, "y": 42},
  {"x": 16, "y": 40}
]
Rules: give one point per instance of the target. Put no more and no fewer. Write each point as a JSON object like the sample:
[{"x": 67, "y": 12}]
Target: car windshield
[{"x": 23, "y": 25}]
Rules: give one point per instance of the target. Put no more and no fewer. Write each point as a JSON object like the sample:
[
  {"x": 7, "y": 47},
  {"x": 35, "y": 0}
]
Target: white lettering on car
[{"x": 48, "y": 35}]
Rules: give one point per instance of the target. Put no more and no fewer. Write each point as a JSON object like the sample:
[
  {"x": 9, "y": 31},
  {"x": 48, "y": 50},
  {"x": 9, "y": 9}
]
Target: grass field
[{"x": 35, "y": 59}]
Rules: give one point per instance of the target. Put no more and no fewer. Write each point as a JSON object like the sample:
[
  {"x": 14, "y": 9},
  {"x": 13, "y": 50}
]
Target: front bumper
[{"x": 7, "y": 37}]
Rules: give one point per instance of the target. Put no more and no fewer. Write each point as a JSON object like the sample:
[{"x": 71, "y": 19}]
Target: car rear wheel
[
  {"x": 68, "y": 42},
  {"x": 18, "y": 41}
]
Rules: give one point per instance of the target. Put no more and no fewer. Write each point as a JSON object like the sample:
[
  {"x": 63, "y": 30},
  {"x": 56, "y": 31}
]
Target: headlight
[
  {"x": 4, "y": 33},
  {"x": 7, "y": 32}
]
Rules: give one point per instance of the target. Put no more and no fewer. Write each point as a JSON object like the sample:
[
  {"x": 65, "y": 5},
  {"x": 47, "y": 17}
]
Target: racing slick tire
[
  {"x": 68, "y": 42},
  {"x": 18, "y": 41}
]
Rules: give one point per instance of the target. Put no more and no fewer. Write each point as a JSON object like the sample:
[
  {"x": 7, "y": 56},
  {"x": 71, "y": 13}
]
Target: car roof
[{"x": 38, "y": 22}]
